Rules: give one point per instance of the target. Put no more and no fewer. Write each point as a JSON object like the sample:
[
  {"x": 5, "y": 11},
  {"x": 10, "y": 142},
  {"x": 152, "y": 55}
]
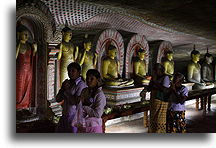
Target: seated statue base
[
  {"x": 24, "y": 116},
  {"x": 120, "y": 96},
  {"x": 189, "y": 85},
  {"x": 209, "y": 85}
]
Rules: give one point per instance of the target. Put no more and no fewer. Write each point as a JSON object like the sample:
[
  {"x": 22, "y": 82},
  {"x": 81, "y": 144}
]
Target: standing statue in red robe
[{"x": 25, "y": 54}]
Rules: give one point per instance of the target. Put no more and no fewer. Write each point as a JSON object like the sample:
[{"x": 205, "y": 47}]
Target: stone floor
[{"x": 196, "y": 121}]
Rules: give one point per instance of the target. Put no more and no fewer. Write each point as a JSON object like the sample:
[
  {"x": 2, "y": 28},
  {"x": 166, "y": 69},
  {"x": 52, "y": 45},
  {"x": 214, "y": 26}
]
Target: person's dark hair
[
  {"x": 66, "y": 29},
  {"x": 159, "y": 67},
  {"x": 94, "y": 72},
  {"x": 178, "y": 76},
  {"x": 194, "y": 52},
  {"x": 74, "y": 65}
]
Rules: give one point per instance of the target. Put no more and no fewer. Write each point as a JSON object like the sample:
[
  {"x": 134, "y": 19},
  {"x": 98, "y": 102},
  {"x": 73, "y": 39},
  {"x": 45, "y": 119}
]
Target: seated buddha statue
[
  {"x": 87, "y": 59},
  {"x": 194, "y": 70},
  {"x": 66, "y": 53},
  {"x": 207, "y": 69},
  {"x": 168, "y": 64},
  {"x": 139, "y": 68},
  {"x": 110, "y": 70}
]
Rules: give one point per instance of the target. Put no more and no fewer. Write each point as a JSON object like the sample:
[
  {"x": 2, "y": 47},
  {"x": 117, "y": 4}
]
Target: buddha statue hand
[
  {"x": 34, "y": 46},
  {"x": 203, "y": 84}
]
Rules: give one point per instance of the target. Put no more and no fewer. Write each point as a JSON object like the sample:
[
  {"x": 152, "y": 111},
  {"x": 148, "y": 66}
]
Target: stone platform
[{"x": 120, "y": 96}]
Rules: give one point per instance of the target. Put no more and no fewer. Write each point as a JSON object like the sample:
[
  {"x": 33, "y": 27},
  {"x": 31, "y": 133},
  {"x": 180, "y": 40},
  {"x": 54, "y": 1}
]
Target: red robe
[{"x": 24, "y": 79}]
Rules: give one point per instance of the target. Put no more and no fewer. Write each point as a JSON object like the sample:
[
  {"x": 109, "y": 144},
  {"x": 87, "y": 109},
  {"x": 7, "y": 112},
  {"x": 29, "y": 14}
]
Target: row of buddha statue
[
  {"x": 110, "y": 65},
  {"x": 201, "y": 75},
  {"x": 87, "y": 59}
]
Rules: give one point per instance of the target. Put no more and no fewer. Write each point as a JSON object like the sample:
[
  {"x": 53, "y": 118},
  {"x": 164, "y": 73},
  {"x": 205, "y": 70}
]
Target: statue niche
[{"x": 110, "y": 69}]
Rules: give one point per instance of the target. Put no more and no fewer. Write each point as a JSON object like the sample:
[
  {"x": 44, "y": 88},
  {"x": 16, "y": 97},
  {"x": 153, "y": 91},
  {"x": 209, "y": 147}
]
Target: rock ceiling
[{"x": 183, "y": 23}]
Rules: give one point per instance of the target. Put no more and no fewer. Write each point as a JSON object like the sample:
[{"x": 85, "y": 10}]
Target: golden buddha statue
[
  {"x": 86, "y": 58},
  {"x": 139, "y": 68},
  {"x": 66, "y": 53},
  {"x": 110, "y": 69},
  {"x": 194, "y": 70},
  {"x": 168, "y": 64}
]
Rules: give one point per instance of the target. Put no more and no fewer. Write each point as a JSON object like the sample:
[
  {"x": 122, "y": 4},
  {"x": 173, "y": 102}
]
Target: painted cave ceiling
[{"x": 182, "y": 22}]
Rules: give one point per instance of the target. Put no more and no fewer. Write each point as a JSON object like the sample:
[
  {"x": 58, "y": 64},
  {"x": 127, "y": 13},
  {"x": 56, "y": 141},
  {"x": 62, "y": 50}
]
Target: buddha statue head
[
  {"x": 66, "y": 34},
  {"x": 141, "y": 54},
  {"x": 208, "y": 58},
  {"x": 195, "y": 56},
  {"x": 169, "y": 55},
  {"x": 87, "y": 43},
  {"x": 111, "y": 51},
  {"x": 22, "y": 34}
]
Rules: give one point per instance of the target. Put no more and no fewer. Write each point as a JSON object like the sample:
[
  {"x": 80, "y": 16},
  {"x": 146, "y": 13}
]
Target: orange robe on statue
[{"x": 24, "y": 79}]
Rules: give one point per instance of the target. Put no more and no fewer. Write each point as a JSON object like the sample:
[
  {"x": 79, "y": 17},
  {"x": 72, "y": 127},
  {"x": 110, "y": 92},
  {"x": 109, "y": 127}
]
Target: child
[
  {"x": 176, "y": 111},
  {"x": 94, "y": 101}
]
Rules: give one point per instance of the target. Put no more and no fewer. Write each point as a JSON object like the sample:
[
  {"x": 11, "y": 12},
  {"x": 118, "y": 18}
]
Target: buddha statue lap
[{"x": 110, "y": 69}]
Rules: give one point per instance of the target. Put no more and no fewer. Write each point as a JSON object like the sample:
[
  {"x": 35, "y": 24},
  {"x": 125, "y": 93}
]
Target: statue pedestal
[{"x": 120, "y": 96}]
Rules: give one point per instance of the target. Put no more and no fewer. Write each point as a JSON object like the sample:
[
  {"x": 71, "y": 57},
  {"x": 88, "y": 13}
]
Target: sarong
[
  {"x": 176, "y": 122},
  {"x": 158, "y": 113}
]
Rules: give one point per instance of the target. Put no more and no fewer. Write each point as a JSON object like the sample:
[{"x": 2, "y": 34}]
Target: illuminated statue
[
  {"x": 207, "y": 69},
  {"x": 194, "y": 70},
  {"x": 87, "y": 59},
  {"x": 66, "y": 53},
  {"x": 110, "y": 69},
  {"x": 25, "y": 53},
  {"x": 139, "y": 68},
  {"x": 168, "y": 64}
]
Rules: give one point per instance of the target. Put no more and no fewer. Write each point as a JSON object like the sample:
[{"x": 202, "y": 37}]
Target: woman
[
  {"x": 176, "y": 112},
  {"x": 94, "y": 101},
  {"x": 68, "y": 94},
  {"x": 158, "y": 86}
]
